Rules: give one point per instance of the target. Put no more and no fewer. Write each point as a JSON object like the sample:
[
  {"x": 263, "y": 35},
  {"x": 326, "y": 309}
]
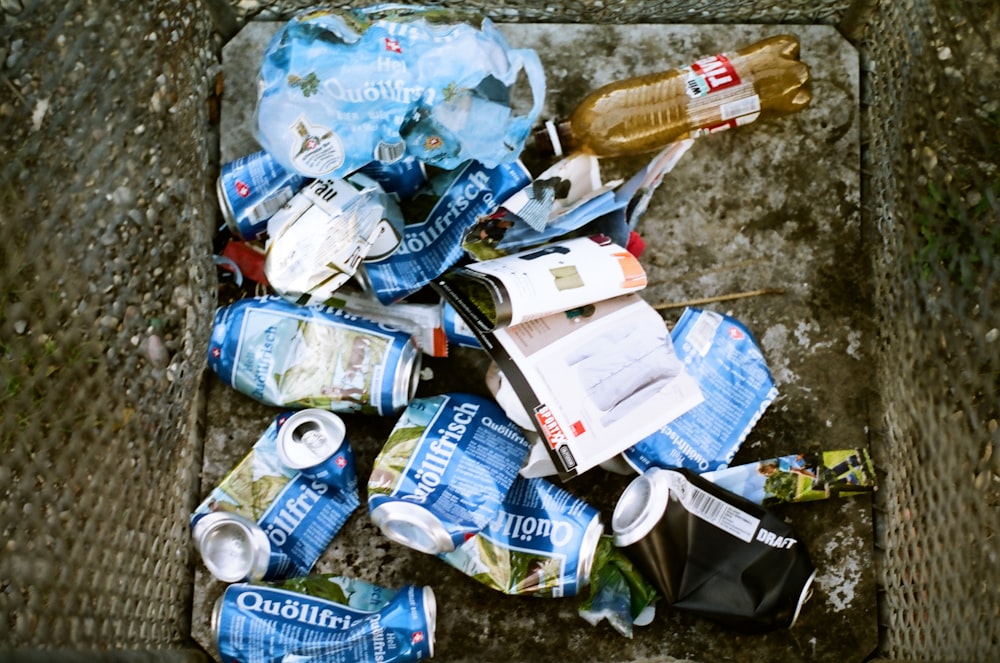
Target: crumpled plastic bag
[{"x": 340, "y": 88}]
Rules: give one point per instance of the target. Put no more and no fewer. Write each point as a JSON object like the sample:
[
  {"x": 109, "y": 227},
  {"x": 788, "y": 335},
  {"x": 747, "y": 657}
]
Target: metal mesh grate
[
  {"x": 106, "y": 295},
  {"x": 932, "y": 205},
  {"x": 106, "y": 290}
]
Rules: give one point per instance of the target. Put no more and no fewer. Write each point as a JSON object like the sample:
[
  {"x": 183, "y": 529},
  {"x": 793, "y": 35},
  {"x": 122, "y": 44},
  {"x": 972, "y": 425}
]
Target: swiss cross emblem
[
  {"x": 341, "y": 462},
  {"x": 735, "y": 334},
  {"x": 242, "y": 189},
  {"x": 417, "y": 637},
  {"x": 393, "y": 46},
  {"x": 216, "y": 352}
]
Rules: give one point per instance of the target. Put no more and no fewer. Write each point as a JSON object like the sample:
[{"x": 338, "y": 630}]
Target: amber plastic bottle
[{"x": 646, "y": 113}]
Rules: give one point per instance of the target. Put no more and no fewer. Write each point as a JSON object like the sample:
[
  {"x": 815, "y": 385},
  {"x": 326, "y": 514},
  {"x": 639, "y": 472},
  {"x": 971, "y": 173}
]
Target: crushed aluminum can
[
  {"x": 314, "y": 443},
  {"x": 287, "y": 355},
  {"x": 444, "y": 471},
  {"x": 542, "y": 543},
  {"x": 720, "y": 353},
  {"x": 713, "y": 553},
  {"x": 430, "y": 247},
  {"x": 318, "y": 240},
  {"x": 235, "y": 548},
  {"x": 273, "y": 625},
  {"x": 266, "y": 521},
  {"x": 252, "y": 189}
]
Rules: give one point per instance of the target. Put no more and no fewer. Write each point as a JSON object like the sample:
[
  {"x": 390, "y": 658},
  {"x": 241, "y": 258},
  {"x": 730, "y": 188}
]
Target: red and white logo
[
  {"x": 736, "y": 333},
  {"x": 216, "y": 352},
  {"x": 242, "y": 189},
  {"x": 717, "y": 72},
  {"x": 417, "y": 638},
  {"x": 393, "y": 46},
  {"x": 550, "y": 427},
  {"x": 341, "y": 462}
]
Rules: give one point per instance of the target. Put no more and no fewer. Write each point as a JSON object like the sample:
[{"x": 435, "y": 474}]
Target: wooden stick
[{"x": 720, "y": 298}]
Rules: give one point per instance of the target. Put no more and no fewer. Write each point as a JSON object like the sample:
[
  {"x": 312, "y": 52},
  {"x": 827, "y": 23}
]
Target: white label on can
[{"x": 717, "y": 512}]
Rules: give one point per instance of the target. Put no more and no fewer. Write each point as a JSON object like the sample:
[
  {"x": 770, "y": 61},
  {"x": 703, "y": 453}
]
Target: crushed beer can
[
  {"x": 252, "y": 189},
  {"x": 361, "y": 623},
  {"x": 713, "y": 553},
  {"x": 318, "y": 240},
  {"x": 234, "y": 548},
  {"x": 720, "y": 353},
  {"x": 444, "y": 471},
  {"x": 314, "y": 443},
  {"x": 266, "y": 521},
  {"x": 541, "y": 543},
  {"x": 287, "y": 355},
  {"x": 432, "y": 246}
]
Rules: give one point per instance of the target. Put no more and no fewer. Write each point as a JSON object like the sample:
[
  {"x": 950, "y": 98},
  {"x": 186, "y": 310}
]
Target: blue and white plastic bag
[{"x": 340, "y": 88}]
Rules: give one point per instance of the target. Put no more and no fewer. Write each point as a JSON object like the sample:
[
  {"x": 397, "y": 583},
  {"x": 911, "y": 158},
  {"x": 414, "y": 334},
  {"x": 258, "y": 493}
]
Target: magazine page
[
  {"x": 596, "y": 379},
  {"x": 541, "y": 281}
]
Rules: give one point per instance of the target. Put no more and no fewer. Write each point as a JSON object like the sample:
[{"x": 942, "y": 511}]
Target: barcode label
[
  {"x": 702, "y": 333},
  {"x": 749, "y": 105},
  {"x": 712, "y": 510},
  {"x": 267, "y": 208}
]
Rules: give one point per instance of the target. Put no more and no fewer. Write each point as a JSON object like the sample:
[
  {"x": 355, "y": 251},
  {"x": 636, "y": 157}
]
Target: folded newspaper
[
  {"x": 592, "y": 380},
  {"x": 564, "y": 276}
]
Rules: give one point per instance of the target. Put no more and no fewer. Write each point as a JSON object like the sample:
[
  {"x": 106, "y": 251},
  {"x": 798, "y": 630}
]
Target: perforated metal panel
[{"x": 106, "y": 290}]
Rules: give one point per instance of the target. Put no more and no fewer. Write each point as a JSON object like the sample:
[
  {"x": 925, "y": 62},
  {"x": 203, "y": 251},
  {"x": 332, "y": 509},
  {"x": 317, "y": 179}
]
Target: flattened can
[
  {"x": 266, "y": 521},
  {"x": 318, "y": 240},
  {"x": 235, "y": 548},
  {"x": 444, "y": 471},
  {"x": 542, "y": 543},
  {"x": 313, "y": 442},
  {"x": 288, "y": 355},
  {"x": 252, "y": 189},
  {"x": 272, "y": 625},
  {"x": 711, "y": 552}
]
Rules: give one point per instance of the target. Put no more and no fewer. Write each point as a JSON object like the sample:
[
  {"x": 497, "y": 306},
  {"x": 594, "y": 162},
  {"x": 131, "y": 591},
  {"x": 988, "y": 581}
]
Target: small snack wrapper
[{"x": 816, "y": 475}]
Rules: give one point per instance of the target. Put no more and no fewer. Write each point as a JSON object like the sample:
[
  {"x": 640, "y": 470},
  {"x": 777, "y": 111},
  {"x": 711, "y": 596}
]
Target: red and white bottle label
[{"x": 710, "y": 75}]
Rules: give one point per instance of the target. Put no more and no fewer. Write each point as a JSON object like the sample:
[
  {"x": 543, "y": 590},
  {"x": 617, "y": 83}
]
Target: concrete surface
[{"x": 772, "y": 206}]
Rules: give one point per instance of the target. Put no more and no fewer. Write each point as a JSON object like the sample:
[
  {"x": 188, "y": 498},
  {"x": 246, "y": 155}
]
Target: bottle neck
[{"x": 555, "y": 138}]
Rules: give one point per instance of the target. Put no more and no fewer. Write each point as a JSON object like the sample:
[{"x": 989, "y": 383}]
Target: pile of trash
[{"x": 389, "y": 216}]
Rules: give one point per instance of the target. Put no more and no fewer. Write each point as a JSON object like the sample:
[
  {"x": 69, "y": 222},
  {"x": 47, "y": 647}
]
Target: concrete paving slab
[{"x": 772, "y": 206}]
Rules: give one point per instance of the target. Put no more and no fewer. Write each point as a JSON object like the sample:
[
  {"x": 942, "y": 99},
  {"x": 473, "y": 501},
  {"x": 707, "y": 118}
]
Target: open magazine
[
  {"x": 595, "y": 379},
  {"x": 541, "y": 281}
]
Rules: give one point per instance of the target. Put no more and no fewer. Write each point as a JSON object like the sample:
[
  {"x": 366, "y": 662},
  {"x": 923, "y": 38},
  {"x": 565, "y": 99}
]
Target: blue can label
[
  {"x": 403, "y": 178},
  {"x": 454, "y": 455},
  {"x": 542, "y": 543},
  {"x": 431, "y": 247},
  {"x": 266, "y": 624},
  {"x": 252, "y": 189},
  {"x": 288, "y": 355},
  {"x": 722, "y": 356},
  {"x": 338, "y": 470},
  {"x": 299, "y": 515},
  {"x": 456, "y": 329}
]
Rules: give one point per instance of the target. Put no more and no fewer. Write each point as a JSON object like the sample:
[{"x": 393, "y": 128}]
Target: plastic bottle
[{"x": 645, "y": 113}]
